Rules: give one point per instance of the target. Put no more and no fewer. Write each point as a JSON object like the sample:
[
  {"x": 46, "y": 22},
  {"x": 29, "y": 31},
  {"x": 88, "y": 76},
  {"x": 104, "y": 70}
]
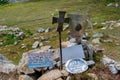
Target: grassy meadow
[{"x": 33, "y": 15}]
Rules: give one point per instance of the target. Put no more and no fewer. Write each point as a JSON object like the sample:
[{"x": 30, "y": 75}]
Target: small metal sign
[
  {"x": 40, "y": 59},
  {"x": 72, "y": 52},
  {"x": 75, "y": 66}
]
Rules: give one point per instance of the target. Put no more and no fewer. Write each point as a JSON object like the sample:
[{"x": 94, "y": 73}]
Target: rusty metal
[{"x": 60, "y": 20}]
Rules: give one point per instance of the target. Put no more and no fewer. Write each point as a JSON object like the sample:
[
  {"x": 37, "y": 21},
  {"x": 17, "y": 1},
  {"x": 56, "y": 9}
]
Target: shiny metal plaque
[{"x": 76, "y": 66}]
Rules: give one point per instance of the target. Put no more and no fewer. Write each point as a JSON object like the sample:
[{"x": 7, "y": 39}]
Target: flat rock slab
[
  {"x": 117, "y": 65},
  {"x": 6, "y": 66},
  {"x": 107, "y": 61},
  {"x": 23, "y": 64},
  {"x": 98, "y": 48},
  {"x": 40, "y": 30},
  {"x": 52, "y": 75},
  {"x": 10, "y": 76},
  {"x": 96, "y": 41},
  {"x": 90, "y": 62},
  {"x": 25, "y": 77},
  {"x": 93, "y": 76},
  {"x": 45, "y": 48},
  {"x": 35, "y": 44},
  {"x": 4, "y": 76}
]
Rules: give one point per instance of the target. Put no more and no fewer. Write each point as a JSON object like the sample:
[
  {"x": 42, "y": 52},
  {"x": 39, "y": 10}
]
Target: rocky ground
[
  {"x": 16, "y": 39},
  {"x": 104, "y": 68},
  {"x": 100, "y": 70}
]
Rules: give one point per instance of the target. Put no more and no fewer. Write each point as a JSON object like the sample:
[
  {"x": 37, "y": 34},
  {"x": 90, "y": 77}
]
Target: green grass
[
  {"x": 38, "y": 14},
  {"x": 112, "y": 49},
  {"x": 32, "y": 15}
]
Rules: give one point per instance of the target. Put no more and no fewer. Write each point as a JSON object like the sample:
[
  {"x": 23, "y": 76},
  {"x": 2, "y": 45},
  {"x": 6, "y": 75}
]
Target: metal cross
[{"x": 60, "y": 22}]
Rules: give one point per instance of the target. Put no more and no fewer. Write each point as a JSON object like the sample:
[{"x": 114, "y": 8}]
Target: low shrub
[{"x": 2, "y": 2}]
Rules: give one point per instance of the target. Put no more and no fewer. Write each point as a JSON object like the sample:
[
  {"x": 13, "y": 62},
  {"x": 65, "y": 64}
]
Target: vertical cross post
[{"x": 60, "y": 20}]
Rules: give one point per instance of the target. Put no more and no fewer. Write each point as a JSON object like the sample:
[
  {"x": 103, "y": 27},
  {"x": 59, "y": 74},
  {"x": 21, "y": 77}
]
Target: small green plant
[
  {"x": 110, "y": 1},
  {"x": 98, "y": 26},
  {"x": 98, "y": 56},
  {"x": 10, "y": 40},
  {"x": 2, "y": 2},
  {"x": 29, "y": 32}
]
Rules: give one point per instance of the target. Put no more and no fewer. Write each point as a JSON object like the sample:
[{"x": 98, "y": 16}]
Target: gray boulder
[
  {"x": 46, "y": 48},
  {"x": 117, "y": 65},
  {"x": 65, "y": 27},
  {"x": 98, "y": 48},
  {"x": 113, "y": 69},
  {"x": 25, "y": 77},
  {"x": 35, "y": 44},
  {"x": 98, "y": 35},
  {"x": 47, "y": 30},
  {"x": 40, "y": 44},
  {"x": 107, "y": 61},
  {"x": 117, "y": 24},
  {"x": 90, "y": 62},
  {"x": 23, "y": 65},
  {"x": 51, "y": 75},
  {"x": 23, "y": 46},
  {"x": 44, "y": 38},
  {"x": 96, "y": 41},
  {"x": 93, "y": 76},
  {"x": 40, "y": 30},
  {"x": 20, "y": 35},
  {"x": 6, "y": 66}
]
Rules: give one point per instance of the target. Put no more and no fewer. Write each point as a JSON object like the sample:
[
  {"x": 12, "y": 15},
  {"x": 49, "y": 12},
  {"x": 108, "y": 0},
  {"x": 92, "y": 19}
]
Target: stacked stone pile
[{"x": 7, "y": 69}]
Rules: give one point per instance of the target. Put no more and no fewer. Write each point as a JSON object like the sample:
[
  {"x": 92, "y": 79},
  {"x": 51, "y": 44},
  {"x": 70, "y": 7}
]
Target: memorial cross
[{"x": 60, "y": 20}]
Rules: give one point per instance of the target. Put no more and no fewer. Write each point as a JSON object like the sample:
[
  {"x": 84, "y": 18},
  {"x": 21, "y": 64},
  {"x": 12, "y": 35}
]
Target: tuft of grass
[{"x": 10, "y": 40}]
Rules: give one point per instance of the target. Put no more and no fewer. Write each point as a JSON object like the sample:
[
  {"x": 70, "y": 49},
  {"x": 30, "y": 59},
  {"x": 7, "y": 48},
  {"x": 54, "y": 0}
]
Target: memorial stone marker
[{"x": 41, "y": 59}]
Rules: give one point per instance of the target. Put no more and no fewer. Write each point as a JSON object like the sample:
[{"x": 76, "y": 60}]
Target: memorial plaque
[
  {"x": 40, "y": 59},
  {"x": 72, "y": 52},
  {"x": 75, "y": 66}
]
